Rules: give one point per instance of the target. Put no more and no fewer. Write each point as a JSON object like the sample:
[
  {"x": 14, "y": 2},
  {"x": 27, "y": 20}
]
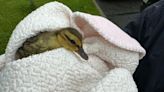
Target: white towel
[{"x": 109, "y": 68}]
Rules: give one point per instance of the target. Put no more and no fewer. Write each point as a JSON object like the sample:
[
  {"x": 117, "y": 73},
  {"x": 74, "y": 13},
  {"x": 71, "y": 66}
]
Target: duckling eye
[{"x": 72, "y": 41}]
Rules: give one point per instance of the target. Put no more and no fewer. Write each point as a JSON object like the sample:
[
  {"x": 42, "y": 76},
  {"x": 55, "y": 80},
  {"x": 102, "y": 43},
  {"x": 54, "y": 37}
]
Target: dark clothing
[
  {"x": 144, "y": 5},
  {"x": 148, "y": 29}
]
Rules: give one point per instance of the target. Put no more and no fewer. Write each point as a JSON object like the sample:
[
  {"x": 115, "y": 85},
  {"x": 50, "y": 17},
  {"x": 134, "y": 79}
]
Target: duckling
[{"x": 69, "y": 38}]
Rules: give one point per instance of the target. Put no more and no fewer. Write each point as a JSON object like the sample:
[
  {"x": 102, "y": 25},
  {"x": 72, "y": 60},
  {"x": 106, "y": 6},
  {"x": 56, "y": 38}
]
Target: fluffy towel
[{"x": 113, "y": 56}]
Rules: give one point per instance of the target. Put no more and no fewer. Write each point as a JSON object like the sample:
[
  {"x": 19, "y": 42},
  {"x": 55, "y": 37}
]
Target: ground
[{"x": 13, "y": 11}]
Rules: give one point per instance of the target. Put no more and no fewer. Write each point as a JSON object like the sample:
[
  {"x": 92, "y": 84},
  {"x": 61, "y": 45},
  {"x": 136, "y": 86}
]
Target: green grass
[{"x": 13, "y": 11}]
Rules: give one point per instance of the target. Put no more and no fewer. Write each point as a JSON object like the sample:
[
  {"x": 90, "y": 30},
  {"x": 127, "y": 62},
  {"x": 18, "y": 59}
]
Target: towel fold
[{"x": 113, "y": 56}]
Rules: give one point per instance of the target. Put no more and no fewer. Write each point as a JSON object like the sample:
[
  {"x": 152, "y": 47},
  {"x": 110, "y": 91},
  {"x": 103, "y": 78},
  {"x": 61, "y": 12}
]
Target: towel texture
[{"x": 113, "y": 56}]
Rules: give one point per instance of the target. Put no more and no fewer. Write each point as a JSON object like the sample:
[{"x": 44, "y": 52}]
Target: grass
[{"x": 13, "y": 11}]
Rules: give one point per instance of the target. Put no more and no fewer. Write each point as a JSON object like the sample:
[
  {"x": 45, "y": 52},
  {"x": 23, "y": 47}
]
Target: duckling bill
[
  {"x": 68, "y": 38},
  {"x": 82, "y": 53}
]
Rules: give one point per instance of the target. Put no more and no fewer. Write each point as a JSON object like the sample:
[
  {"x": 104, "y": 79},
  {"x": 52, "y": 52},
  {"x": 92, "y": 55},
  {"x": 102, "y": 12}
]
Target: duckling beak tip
[{"x": 82, "y": 53}]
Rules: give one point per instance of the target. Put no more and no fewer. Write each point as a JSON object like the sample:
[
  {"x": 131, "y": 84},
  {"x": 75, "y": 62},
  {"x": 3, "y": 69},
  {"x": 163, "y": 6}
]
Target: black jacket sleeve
[{"x": 148, "y": 29}]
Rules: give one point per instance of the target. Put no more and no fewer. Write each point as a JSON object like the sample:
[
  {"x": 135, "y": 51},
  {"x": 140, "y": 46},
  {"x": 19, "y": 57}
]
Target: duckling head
[{"x": 71, "y": 39}]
